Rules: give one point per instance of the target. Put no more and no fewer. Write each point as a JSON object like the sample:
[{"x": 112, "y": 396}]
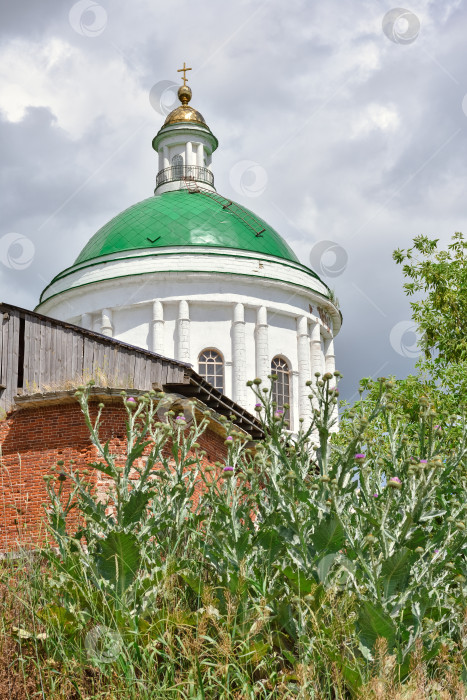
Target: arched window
[
  {"x": 281, "y": 387},
  {"x": 211, "y": 368},
  {"x": 177, "y": 165}
]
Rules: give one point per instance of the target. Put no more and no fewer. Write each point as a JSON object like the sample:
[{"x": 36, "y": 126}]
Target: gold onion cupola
[{"x": 185, "y": 145}]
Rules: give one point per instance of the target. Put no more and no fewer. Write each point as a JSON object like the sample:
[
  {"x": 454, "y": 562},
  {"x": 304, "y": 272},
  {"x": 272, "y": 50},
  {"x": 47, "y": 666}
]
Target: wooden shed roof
[{"x": 39, "y": 354}]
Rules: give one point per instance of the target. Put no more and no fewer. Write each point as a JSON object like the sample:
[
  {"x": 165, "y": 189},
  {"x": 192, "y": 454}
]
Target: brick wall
[{"x": 34, "y": 438}]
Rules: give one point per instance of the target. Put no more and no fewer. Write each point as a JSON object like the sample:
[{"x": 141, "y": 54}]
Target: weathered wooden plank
[
  {"x": 59, "y": 368},
  {"x": 164, "y": 373},
  {"x": 61, "y": 358},
  {"x": 30, "y": 324},
  {"x": 5, "y": 332},
  {"x": 178, "y": 374},
  {"x": 52, "y": 375},
  {"x": 34, "y": 343},
  {"x": 88, "y": 356},
  {"x": 156, "y": 376},
  {"x": 148, "y": 374},
  {"x": 68, "y": 354},
  {"x": 28, "y": 353},
  {"x": 42, "y": 360},
  {"x": 13, "y": 345},
  {"x": 101, "y": 363},
  {"x": 48, "y": 372},
  {"x": 125, "y": 368},
  {"x": 140, "y": 371},
  {"x": 77, "y": 342},
  {"x": 1, "y": 345},
  {"x": 117, "y": 361},
  {"x": 4, "y": 335}
]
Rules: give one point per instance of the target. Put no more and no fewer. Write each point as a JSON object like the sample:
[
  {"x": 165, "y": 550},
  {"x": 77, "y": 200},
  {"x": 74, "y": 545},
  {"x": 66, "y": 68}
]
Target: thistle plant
[{"x": 301, "y": 552}]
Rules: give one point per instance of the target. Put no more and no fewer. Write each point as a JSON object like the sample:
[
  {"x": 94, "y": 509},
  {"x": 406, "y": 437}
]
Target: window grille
[{"x": 211, "y": 368}]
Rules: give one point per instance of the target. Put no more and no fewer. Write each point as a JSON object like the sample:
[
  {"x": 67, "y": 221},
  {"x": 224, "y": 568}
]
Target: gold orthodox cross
[{"x": 183, "y": 70}]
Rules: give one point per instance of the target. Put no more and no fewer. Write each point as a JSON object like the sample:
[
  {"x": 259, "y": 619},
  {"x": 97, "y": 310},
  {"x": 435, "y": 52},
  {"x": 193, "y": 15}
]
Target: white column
[
  {"x": 161, "y": 159},
  {"x": 263, "y": 365},
  {"x": 96, "y": 324},
  {"x": 157, "y": 327},
  {"x": 239, "y": 355},
  {"x": 315, "y": 353},
  {"x": 315, "y": 349},
  {"x": 294, "y": 401},
  {"x": 330, "y": 359},
  {"x": 200, "y": 155},
  {"x": 165, "y": 155},
  {"x": 183, "y": 334},
  {"x": 86, "y": 321},
  {"x": 228, "y": 379},
  {"x": 188, "y": 153},
  {"x": 330, "y": 366},
  {"x": 106, "y": 322},
  {"x": 303, "y": 354}
]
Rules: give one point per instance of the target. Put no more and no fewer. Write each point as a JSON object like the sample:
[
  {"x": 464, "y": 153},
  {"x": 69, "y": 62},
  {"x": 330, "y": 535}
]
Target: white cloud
[
  {"x": 77, "y": 87},
  {"x": 375, "y": 116},
  {"x": 363, "y": 140}
]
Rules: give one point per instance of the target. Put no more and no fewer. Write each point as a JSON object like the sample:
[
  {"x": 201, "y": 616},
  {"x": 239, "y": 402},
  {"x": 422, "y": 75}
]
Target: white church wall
[
  {"x": 190, "y": 264},
  {"x": 210, "y": 327},
  {"x": 132, "y": 325},
  {"x": 179, "y": 314}
]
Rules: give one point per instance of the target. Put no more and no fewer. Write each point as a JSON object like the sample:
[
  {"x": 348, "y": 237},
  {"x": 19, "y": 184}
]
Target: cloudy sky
[{"x": 342, "y": 124}]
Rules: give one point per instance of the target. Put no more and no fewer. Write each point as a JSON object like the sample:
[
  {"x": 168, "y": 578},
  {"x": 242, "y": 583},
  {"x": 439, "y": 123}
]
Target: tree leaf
[
  {"x": 299, "y": 581},
  {"x": 135, "y": 507},
  {"x": 119, "y": 559},
  {"x": 329, "y": 535},
  {"x": 270, "y": 541},
  {"x": 395, "y": 572},
  {"x": 373, "y": 623},
  {"x": 324, "y": 565}
]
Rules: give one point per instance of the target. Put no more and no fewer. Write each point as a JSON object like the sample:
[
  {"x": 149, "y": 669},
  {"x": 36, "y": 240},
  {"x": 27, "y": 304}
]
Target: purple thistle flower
[
  {"x": 375, "y": 495},
  {"x": 423, "y": 461},
  {"x": 395, "y": 478},
  {"x": 228, "y": 469},
  {"x": 359, "y": 455},
  {"x": 180, "y": 418},
  {"x": 229, "y": 438},
  {"x": 130, "y": 399}
]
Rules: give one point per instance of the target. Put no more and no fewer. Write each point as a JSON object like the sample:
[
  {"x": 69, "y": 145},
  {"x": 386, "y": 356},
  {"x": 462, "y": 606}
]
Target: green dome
[{"x": 183, "y": 218}]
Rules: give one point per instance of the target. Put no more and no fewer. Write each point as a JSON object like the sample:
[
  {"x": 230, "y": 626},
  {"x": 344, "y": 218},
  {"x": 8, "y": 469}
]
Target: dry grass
[
  {"x": 101, "y": 378},
  {"x": 28, "y": 671}
]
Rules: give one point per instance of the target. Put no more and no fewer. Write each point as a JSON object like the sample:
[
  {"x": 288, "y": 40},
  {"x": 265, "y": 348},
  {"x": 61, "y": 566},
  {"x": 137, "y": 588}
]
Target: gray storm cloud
[{"x": 351, "y": 137}]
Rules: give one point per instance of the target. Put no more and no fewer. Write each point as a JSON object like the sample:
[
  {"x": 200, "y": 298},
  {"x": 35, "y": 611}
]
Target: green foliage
[
  {"x": 304, "y": 558},
  {"x": 441, "y": 313}
]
